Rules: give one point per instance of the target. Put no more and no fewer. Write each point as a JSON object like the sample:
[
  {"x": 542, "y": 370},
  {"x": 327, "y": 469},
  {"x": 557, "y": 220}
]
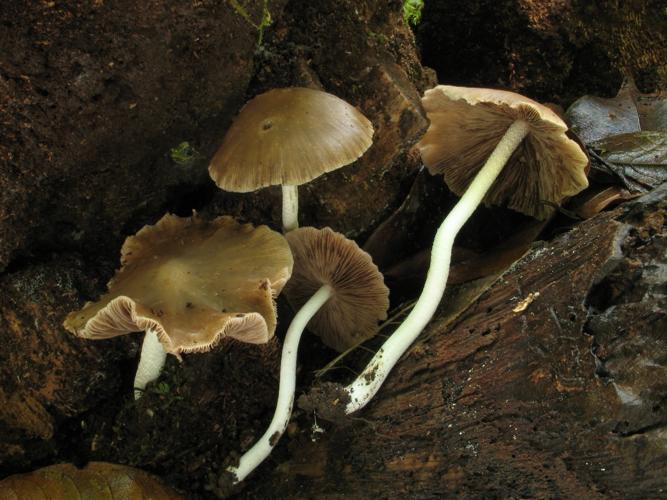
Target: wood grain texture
[{"x": 526, "y": 403}]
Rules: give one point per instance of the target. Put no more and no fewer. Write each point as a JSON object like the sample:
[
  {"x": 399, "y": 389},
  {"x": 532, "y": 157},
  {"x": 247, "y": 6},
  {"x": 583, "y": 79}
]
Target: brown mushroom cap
[
  {"x": 289, "y": 136},
  {"x": 193, "y": 282},
  {"x": 360, "y": 298},
  {"x": 467, "y": 124}
]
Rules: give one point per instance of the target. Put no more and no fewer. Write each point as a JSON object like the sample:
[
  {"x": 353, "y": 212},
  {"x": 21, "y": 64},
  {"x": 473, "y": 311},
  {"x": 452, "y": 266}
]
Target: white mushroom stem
[
  {"x": 290, "y": 208},
  {"x": 367, "y": 384},
  {"x": 262, "y": 448},
  {"x": 151, "y": 363}
]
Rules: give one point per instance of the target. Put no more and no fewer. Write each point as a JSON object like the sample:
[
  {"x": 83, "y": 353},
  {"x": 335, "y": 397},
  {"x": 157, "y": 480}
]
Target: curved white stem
[
  {"x": 151, "y": 362},
  {"x": 262, "y": 448},
  {"x": 367, "y": 384},
  {"x": 290, "y": 208}
]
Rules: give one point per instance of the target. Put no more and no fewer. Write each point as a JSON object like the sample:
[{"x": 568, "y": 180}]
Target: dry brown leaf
[
  {"x": 97, "y": 481},
  {"x": 596, "y": 201},
  {"x": 639, "y": 157},
  {"x": 626, "y": 135}
]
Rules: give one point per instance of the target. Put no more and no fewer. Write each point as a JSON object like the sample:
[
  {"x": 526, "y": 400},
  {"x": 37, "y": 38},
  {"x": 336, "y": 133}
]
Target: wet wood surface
[{"x": 551, "y": 385}]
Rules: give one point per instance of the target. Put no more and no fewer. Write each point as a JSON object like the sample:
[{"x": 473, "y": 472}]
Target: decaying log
[{"x": 552, "y": 384}]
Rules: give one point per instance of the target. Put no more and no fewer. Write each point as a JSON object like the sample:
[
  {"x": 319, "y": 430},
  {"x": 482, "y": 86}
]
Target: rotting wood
[{"x": 564, "y": 398}]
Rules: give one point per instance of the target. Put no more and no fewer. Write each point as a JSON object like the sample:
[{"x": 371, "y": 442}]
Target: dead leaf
[
  {"x": 640, "y": 157},
  {"x": 593, "y": 202},
  {"x": 626, "y": 135},
  {"x": 594, "y": 118},
  {"x": 96, "y": 480},
  {"x": 652, "y": 110}
]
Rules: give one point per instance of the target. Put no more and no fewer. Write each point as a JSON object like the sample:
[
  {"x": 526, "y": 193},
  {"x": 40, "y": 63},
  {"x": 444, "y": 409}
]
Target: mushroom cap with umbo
[
  {"x": 360, "y": 298},
  {"x": 193, "y": 282},
  {"x": 289, "y": 136},
  {"x": 467, "y": 124}
]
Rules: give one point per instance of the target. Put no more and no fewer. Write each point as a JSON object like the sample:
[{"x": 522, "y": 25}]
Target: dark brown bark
[
  {"x": 92, "y": 97},
  {"x": 552, "y": 384},
  {"x": 553, "y": 50}
]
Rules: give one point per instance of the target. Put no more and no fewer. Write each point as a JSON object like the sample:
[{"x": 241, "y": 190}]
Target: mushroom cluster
[
  {"x": 188, "y": 282},
  {"x": 289, "y": 137}
]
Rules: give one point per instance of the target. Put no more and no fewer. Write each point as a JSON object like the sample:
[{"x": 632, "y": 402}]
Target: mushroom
[
  {"x": 289, "y": 137},
  {"x": 360, "y": 298},
  {"x": 341, "y": 295},
  {"x": 473, "y": 134},
  {"x": 188, "y": 283}
]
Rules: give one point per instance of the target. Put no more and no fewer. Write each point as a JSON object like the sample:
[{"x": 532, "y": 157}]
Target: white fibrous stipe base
[
  {"x": 262, "y": 448},
  {"x": 151, "y": 363}
]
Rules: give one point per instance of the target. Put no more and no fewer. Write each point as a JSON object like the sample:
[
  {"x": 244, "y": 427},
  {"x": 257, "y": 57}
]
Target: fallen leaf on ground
[
  {"x": 626, "y": 135},
  {"x": 98, "y": 480},
  {"x": 595, "y": 201},
  {"x": 641, "y": 157},
  {"x": 593, "y": 118}
]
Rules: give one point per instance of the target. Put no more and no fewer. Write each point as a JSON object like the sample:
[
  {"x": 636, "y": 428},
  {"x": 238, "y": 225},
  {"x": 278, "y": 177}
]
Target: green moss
[
  {"x": 183, "y": 154},
  {"x": 263, "y": 23},
  {"x": 379, "y": 38},
  {"x": 412, "y": 11}
]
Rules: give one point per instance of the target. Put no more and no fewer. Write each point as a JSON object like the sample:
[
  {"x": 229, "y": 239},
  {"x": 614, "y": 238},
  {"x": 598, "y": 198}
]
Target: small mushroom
[
  {"x": 501, "y": 147},
  {"x": 341, "y": 294},
  {"x": 474, "y": 133},
  {"x": 360, "y": 299},
  {"x": 289, "y": 137},
  {"x": 188, "y": 283}
]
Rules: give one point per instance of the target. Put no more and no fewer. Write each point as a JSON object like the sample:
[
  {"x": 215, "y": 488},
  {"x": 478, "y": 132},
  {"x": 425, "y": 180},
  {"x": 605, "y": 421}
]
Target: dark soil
[{"x": 190, "y": 424}]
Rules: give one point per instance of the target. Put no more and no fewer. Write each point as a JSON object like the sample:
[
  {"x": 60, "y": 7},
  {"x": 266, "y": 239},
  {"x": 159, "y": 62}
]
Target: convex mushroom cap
[
  {"x": 193, "y": 282},
  {"x": 359, "y": 298},
  {"x": 289, "y": 136},
  {"x": 467, "y": 124}
]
